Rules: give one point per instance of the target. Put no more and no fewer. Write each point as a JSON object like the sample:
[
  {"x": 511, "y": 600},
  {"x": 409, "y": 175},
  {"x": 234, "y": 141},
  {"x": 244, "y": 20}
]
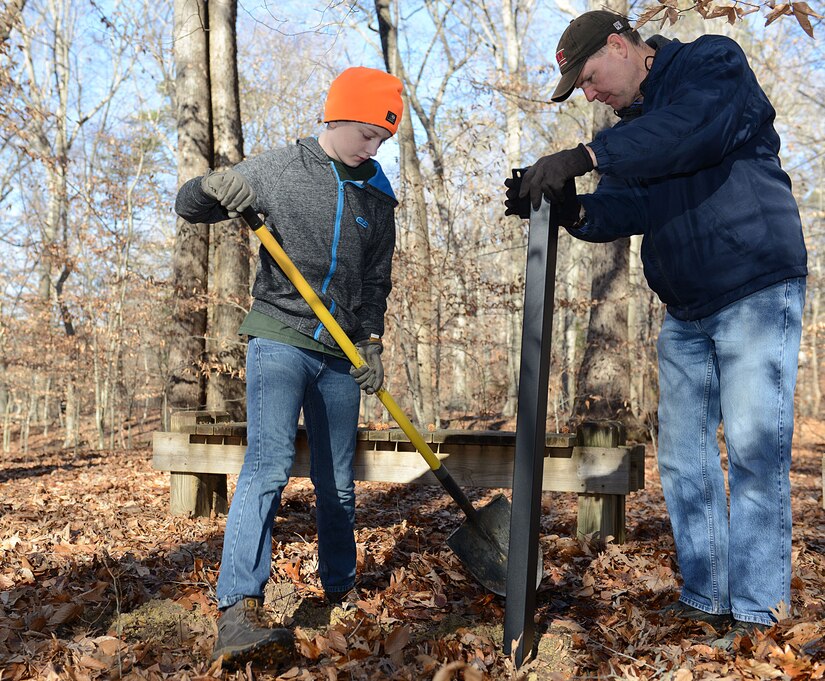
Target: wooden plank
[
  {"x": 174, "y": 452},
  {"x": 600, "y": 470},
  {"x": 181, "y": 420},
  {"x": 197, "y": 495},
  {"x": 206, "y": 423},
  {"x": 474, "y": 437},
  {"x": 602, "y": 514},
  {"x": 560, "y": 440},
  {"x": 637, "y": 467},
  {"x": 601, "y": 510},
  {"x": 594, "y": 470},
  {"x": 601, "y": 434},
  {"x": 232, "y": 429}
]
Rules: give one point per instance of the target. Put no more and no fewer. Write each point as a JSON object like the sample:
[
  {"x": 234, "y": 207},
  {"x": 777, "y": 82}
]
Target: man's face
[
  {"x": 354, "y": 143},
  {"x": 608, "y": 76}
]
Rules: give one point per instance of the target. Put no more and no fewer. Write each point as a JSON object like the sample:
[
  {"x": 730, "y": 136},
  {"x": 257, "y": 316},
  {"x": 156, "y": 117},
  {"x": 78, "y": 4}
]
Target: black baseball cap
[{"x": 585, "y": 36}]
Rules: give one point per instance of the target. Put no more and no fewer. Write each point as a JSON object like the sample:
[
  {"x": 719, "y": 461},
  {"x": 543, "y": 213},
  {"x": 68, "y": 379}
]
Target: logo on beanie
[{"x": 391, "y": 118}]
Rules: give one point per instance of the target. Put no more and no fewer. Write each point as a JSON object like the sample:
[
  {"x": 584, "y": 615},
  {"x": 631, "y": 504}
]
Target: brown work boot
[
  {"x": 738, "y": 631},
  {"x": 683, "y": 611},
  {"x": 348, "y": 600},
  {"x": 244, "y": 636}
]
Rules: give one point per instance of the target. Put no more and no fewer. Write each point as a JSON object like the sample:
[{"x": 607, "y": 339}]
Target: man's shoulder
[
  {"x": 714, "y": 44},
  {"x": 691, "y": 59}
]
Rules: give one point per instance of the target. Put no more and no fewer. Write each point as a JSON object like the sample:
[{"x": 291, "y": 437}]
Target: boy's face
[{"x": 352, "y": 143}]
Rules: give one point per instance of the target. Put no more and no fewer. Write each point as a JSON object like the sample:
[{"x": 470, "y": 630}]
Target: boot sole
[{"x": 266, "y": 655}]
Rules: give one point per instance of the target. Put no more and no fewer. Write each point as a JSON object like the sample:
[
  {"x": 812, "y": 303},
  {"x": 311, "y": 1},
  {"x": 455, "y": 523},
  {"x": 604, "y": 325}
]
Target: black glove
[
  {"x": 515, "y": 204},
  {"x": 230, "y": 189},
  {"x": 369, "y": 376},
  {"x": 548, "y": 175},
  {"x": 570, "y": 208}
]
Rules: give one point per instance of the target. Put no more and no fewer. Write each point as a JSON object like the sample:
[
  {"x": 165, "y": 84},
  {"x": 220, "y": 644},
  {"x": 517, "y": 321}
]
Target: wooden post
[
  {"x": 603, "y": 514},
  {"x": 197, "y": 494}
]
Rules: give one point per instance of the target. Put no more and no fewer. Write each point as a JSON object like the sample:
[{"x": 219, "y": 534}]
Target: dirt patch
[{"x": 161, "y": 621}]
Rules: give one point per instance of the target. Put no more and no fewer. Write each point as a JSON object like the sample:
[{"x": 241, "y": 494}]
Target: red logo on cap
[{"x": 560, "y": 58}]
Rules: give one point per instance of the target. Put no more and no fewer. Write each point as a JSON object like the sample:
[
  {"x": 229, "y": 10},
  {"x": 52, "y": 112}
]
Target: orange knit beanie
[{"x": 365, "y": 96}]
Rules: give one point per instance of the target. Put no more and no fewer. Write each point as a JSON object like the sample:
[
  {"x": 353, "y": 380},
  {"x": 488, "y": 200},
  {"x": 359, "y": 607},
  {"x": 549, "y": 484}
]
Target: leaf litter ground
[{"x": 97, "y": 581}]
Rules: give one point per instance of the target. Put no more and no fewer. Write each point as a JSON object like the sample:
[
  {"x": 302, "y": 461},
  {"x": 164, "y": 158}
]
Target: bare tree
[
  {"x": 603, "y": 382},
  {"x": 190, "y": 278},
  {"x": 48, "y": 113},
  {"x": 230, "y": 240},
  {"x": 416, "y": 249},
  {"x": 502, "y": 27}
]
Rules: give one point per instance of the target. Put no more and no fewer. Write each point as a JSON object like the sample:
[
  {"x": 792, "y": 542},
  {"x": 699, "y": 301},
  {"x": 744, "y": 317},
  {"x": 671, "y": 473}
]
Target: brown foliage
[{"x": 98, "y": 582}]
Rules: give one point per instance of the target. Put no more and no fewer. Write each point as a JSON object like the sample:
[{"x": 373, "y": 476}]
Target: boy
[{"x": 332, "y": 207}]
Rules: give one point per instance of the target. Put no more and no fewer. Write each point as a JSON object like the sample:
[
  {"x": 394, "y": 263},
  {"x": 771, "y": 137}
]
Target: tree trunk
[
  {"x": 603, "y": 385},
  {"x": 185, "y": 388},
  {"x": 230, "y": 271},
  {"x": 509, "y": 68},
  {"x": 421, "y": 308}
]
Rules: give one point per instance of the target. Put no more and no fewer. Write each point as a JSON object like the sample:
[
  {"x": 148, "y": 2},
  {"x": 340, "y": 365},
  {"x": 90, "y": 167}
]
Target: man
[{"x": 693, "y": 166}]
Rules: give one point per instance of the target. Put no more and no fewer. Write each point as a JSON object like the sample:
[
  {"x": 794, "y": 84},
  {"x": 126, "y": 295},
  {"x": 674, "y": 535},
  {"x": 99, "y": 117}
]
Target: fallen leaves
[{"x": 98, "y": 582}]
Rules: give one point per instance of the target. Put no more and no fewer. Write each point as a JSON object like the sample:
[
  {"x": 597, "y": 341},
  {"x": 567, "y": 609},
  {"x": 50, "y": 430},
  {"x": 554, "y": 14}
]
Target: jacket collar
[
  {"x": 662, "y": 58},
  {"x": 378, "y": 183}
]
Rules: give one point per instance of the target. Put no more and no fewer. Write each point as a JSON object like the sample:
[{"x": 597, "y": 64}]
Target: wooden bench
[{"x": 203, "y": 447}]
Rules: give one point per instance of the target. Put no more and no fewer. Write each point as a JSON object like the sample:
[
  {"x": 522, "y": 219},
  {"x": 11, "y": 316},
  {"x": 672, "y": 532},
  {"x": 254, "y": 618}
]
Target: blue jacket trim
[{"x": 380, "y": 181}]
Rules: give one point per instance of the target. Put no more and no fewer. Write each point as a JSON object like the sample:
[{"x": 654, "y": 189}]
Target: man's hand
[
  {"x": 514, "y": 204},
  {"x": 230, "y": 189},
  {"x": 548, "y": 175},
  {"x": 369, "y": 376},
  {"x": 570, "y": 209}
]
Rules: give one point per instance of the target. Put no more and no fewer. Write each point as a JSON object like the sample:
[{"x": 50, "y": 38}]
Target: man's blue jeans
[
  {"x": 280, "y": 381},
  {"x": 737, "y": 366}
]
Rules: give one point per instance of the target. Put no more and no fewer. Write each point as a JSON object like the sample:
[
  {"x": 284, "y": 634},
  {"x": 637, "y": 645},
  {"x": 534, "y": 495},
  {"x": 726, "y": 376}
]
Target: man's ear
[{"x": 616, "y": 43}]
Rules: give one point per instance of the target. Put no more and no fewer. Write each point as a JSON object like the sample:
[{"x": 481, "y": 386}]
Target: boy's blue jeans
[
  {"x": 738, "y": 366},
  {"x": 280, "y": 381}
]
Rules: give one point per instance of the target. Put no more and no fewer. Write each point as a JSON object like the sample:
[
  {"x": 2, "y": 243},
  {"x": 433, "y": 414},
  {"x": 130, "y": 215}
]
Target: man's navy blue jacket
[{"x": 698, "y": 174}]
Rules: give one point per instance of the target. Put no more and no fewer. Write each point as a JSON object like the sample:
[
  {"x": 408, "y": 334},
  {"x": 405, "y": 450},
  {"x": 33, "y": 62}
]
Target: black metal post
[{"x": 531, "y": 424}]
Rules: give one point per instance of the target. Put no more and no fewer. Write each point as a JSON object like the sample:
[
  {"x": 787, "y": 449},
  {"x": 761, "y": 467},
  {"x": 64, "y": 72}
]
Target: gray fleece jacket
[{"x": 340, "y": 234}]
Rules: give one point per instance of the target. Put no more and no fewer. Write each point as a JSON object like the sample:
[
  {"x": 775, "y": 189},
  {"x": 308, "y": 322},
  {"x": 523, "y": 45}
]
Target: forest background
[{"x": 113, "y": 312}]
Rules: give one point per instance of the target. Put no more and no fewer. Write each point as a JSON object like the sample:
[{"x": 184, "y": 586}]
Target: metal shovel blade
[{"x": 481, "y": 544}]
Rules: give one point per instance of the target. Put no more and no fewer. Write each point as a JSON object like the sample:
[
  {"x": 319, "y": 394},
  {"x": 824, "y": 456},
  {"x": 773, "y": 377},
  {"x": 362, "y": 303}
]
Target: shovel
[{"x": 482, "y": 540}]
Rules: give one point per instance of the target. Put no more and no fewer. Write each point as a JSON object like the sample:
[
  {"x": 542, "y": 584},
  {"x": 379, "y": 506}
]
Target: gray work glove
[
  {"x": 369, "y": 376},
  {"x": 230, "y": 189}
]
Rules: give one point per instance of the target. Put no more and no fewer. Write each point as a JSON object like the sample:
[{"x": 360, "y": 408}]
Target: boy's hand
[
  {"x": 230, "y": 189},
  {"x": 369, "y": 376}
]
